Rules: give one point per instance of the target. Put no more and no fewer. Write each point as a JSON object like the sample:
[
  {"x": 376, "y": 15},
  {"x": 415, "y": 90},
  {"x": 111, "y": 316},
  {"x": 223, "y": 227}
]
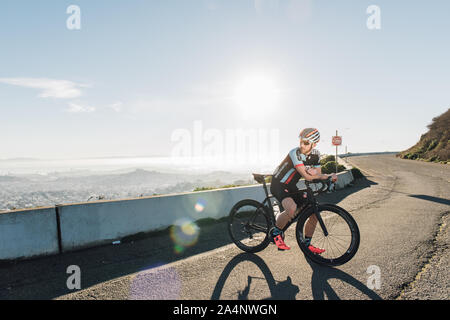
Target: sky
[{"x": 184, "y": 77}]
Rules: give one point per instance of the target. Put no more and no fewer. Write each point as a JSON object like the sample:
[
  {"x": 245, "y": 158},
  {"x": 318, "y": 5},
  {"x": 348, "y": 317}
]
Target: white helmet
[{"x": 310, "y": 134}]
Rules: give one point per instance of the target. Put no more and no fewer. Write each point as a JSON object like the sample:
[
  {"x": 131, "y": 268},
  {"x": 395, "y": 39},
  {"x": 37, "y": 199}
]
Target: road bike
[{"x": 336, "y": 231}]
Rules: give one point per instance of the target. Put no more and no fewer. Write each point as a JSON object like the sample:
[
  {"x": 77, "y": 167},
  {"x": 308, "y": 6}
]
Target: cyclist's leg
[
  {"x": 310, "y": 226},
  {"x": 282, "y": 220},
  {"x": 288, "y": 214},
  {"x": 282, "y": 194}
]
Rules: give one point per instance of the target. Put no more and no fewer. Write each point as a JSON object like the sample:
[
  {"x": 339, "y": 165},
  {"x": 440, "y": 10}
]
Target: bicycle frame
[{"x": 310, "y": 202}]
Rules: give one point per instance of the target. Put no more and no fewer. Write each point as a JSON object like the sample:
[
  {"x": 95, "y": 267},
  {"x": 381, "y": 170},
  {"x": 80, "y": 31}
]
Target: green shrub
[
  {"x": 231, "y": 186},
  {"x": 432, "y": 145},
  {"x": 413, "y": 156},
  {"x": 434, "y": 159},
  {"x": 203, "y": 189},
  {"x": 222, "y": 187},
  {"x": 327, "y": 159},
  {"x": 330, "y": 167}
]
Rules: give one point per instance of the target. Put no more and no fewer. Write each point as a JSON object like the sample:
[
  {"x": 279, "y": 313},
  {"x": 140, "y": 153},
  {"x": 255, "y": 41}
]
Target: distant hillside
[{"x": 433, "y": 146}]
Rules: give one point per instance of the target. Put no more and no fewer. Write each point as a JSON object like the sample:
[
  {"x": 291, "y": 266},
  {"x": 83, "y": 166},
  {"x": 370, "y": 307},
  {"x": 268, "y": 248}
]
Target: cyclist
[{"x": 302, "y": 161}]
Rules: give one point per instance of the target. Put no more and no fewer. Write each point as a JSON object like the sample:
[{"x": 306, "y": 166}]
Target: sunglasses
[{"x": 305, "y": 142}]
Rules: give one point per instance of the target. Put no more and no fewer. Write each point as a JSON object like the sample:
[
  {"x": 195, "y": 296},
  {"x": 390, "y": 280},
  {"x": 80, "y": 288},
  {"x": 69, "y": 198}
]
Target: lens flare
[
  {"x": 184, "y": 233},
  {"x": 200, "y": 205}
]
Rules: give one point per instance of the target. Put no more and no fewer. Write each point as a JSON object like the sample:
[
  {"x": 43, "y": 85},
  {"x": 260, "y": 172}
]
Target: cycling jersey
[{"x": 287, "y": 174}]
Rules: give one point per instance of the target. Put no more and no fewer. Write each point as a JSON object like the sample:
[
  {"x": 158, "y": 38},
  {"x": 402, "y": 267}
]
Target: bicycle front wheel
[
  {"x": 249, "y": 225},
  {"x": 341, "y": 242}
]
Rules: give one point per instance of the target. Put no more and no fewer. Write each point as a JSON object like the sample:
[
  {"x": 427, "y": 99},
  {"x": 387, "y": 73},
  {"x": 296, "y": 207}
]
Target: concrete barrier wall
[
  {"x": 89, "y": 224},
  {"x": 344, "y": 179},
  {"x": 31, "y": 233},
  {"x": 28, "y": 233}
]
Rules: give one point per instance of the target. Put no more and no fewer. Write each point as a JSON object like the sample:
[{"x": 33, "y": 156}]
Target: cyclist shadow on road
[
  {"x": 321, "y": 287},
  {"x": 279, "y": 290}
]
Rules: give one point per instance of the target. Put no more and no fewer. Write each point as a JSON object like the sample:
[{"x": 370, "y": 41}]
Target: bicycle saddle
[{"x": 260, "y": 178}]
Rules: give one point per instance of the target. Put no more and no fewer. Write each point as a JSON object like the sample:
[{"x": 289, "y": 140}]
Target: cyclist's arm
[
  {"x": 318, "y": 176},
  {"x": 299, "y": 165},
  {"x": 309, "y": 177}
]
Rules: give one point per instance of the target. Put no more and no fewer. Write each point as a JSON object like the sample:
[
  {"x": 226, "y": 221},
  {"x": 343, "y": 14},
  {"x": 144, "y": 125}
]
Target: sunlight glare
[{"x": 257, "y": 94}]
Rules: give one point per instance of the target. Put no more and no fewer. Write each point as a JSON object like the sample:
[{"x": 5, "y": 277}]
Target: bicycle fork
[
  {"x": 319, "y": 218},
  {"x": 311, "y": 198}
]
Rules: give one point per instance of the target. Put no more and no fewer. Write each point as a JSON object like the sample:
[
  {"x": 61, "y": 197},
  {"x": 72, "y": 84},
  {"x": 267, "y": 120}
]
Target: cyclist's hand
[{"x": 312, "y": 171}]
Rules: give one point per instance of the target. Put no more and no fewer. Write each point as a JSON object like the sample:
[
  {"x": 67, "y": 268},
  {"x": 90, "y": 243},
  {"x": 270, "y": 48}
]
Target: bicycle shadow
[
  {"x": 280, "y": 290},
  {"x": 286, "y": 290},
  {"x": 321, "y": 287}
]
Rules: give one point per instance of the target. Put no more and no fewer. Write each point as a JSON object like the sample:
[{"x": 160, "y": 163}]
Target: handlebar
[{"x": 326, "y": 184}]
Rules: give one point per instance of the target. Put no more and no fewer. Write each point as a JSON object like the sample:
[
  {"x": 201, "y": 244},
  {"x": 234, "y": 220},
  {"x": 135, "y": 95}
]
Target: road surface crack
[
  {"x": 390, "y": 191},
  {"x": 438, "y": 246}
]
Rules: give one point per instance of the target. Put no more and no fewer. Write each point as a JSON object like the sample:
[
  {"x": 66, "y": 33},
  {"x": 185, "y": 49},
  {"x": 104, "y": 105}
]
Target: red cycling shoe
[
  {"x": 315, "y": 250},
  {"x": 280, "y": 243}
]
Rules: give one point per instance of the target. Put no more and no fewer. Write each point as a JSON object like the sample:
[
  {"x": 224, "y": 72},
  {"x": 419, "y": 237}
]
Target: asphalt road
[{"x": 402, "y": 209}]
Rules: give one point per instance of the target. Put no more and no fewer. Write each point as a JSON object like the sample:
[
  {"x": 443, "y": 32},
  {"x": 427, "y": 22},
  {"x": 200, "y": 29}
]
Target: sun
[{"x": 256, "y": 94}]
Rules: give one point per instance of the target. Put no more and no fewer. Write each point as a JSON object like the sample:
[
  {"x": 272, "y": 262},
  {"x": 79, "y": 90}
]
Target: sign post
[
  {"x": 346, "y": 154},
  {"x": 336, "y": 141}
]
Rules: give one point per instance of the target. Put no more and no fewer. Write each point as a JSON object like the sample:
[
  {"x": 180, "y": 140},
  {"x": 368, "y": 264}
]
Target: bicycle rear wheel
[
  {"x": 248, "y": 225},
  {"x": 343, "y": 238}
]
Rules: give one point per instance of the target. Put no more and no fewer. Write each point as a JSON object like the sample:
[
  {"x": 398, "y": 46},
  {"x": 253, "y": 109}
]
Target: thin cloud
[
  {"x": 50, "y": 88},
  {"x": 117, "y": 106},
  {"x": 78, "y": 108}
]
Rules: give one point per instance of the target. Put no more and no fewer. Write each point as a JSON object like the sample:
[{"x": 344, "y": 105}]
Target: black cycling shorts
[{"x": 282, "y": 191}]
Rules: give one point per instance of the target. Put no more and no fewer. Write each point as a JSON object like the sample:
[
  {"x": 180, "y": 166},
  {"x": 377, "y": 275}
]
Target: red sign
[{"x": 336, "y": 141}]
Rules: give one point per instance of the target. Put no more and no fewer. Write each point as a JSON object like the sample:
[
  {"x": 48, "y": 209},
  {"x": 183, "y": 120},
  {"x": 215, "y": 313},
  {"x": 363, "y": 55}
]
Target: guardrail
[{"x": 46, "y": 231}]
